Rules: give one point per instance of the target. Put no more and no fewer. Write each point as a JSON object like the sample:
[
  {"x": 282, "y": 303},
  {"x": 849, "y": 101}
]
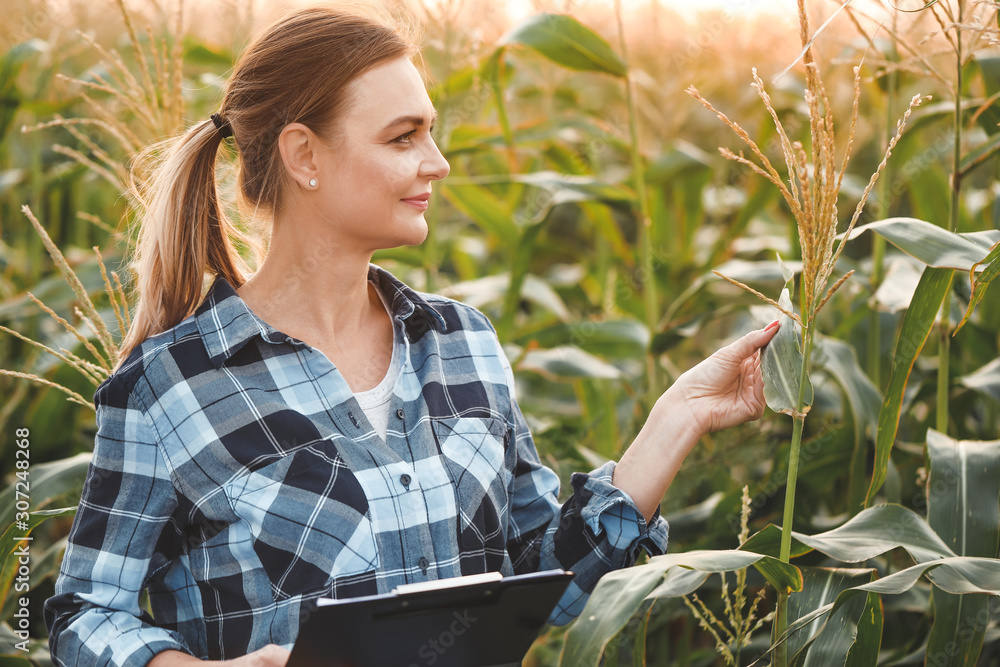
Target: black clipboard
[{"x": 474, "y": 621}]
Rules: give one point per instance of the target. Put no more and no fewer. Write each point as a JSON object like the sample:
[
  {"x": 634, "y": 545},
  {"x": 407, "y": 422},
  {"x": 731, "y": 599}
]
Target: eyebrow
[{"x": 416, "y": 120}]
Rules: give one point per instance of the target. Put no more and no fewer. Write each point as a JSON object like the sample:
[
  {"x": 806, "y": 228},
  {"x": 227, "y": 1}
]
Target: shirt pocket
[
  {"x": 308, "y": 521},
  {"x": 474, "y": 451}
]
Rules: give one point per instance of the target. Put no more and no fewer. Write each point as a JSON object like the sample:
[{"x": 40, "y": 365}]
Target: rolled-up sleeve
[
  {"x": 596, "y": 530},
  {"x": 120, "y": 539}
]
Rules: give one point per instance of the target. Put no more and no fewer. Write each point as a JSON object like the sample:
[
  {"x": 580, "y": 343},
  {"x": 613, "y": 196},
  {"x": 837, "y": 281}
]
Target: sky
[
  {"x": 518, "y": 9},
  {"x": 733, "y": 6},
  {"x": 689, "y": 8}
]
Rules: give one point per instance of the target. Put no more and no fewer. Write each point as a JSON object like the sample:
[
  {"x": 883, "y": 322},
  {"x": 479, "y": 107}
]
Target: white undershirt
[{"x": 375, "y": 401}]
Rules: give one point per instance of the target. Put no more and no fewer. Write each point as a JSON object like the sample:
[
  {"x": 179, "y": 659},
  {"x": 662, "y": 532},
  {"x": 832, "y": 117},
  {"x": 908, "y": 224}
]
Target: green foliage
[
  {"x": 542, "y": 225},
  {"x": 619, "y": 593},
  {"x": 917, "y": 323},
  {"x": 963, "y": 506},
  {"x": 564, "y": 40},
  {"x": 982, "y": 281},
  {"x": 933, "y": 245},
  {"x": 782, "y": 365},
  {"x": 832, "y": 642}
]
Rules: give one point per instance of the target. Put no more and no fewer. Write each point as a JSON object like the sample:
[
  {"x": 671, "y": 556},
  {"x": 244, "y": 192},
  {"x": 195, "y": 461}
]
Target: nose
[{"x": 434, "y": 166}]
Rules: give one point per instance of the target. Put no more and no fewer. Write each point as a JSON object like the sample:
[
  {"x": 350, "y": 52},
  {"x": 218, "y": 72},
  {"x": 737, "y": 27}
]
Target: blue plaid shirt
[{"x": 236, "y": 479}]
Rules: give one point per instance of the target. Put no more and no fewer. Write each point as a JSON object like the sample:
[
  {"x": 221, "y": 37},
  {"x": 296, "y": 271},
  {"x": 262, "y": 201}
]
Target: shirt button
[
  {"x": 400, "y": 413},
  {"x": 423, "y": 564},
  {"x": 404, "y": 479}
]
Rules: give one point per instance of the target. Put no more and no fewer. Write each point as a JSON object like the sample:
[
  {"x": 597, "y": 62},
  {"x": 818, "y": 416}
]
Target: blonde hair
[{"x": 296, "y": 70}]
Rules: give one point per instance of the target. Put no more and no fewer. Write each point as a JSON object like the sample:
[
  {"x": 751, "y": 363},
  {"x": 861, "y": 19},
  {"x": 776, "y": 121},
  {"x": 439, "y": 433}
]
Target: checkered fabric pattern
[{"x": 236, "y": 479}]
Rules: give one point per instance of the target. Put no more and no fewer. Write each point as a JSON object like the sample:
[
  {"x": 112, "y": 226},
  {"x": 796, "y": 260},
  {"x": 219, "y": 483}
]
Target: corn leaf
[
  {"x": 12, "y": 63},
  {"x": 567, "y": 362},
  {"x": 989, "y": 116},
  {"x": 980, "y": 154},
  {"x": 565, "y": 188},
  {"x": 822, "y": 644},
  {"x": 491, "y": 290},
  {"x": 567, "y": 42},
  {"x": 10, "y": 563},
  {"x": 611, "y": 338},
  {"x": 933, "y": 245},
  {"x": 917, "y": 323},
  {"x": 841, "y": 362},
  {"x": 620, "y": 593},
  {"x": 963, "y": 507},
  {"x": 60, "y": 480},
  {"x": 980, "y": 283},
  {"x": 781, "y": 365},
  {"x": 956, "y": 574},
  {"x": 484, "y": 208},
  {"x": 871, "y": 533},
  {"x": 869, "y": 639},
  {"x": 986, "y": 380}
]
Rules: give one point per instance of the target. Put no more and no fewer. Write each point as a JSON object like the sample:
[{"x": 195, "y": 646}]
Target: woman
[{"x": 319, "y": 428}]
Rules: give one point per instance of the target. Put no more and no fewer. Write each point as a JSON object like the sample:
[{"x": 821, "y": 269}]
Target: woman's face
[{"x": 383, "y": 157}]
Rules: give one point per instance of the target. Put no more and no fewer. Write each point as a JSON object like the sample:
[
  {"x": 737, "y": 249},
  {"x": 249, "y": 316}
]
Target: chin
[
  {"x": 408, "y": 237},
  {"x": 417, "y": 235}
]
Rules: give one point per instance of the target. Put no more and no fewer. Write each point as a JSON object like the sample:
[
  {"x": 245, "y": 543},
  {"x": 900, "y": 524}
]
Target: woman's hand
[
  {"x": 724, "y": 390},
  {"x": 727, "y": 388},
  {"x": 271, "y": 655}
]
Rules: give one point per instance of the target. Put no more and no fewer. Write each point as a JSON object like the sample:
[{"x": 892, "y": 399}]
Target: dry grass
[
  {"x": 814, "y": 174},
  {"x": 138, "y": 108},
  {"x": 95, "y": 373},
  {"x": 741, "y": 623}
]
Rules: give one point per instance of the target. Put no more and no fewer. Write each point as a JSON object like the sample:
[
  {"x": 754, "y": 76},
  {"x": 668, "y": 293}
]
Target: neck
[{"x": 313, "y": 288}]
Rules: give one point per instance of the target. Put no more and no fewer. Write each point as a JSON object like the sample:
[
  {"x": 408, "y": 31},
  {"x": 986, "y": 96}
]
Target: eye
[{"x": 404, "y": 138}]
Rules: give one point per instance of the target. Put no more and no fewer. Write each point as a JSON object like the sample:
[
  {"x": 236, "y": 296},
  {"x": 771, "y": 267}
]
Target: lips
[{"x": 420, "y": 201}]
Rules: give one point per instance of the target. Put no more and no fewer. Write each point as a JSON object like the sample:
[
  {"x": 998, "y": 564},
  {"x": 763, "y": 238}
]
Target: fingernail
[{"x": 771, "y": 325}]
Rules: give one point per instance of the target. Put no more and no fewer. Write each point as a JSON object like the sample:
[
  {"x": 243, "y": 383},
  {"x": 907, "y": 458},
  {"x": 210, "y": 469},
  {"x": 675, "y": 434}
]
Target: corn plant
[
  {"x": 811, "y": 191},
  {"x": 740, "y": 623},
  {"x": 153, "y": 98},
  {"x": 587, "y": 223},
  {"x": 811, "y": 194}
]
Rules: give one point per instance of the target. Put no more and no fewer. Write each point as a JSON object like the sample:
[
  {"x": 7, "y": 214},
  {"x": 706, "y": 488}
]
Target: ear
[{"x": 297, "y": 145}]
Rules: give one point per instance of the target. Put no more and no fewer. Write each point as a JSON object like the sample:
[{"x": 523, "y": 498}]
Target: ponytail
[{"x": 183, "y": 234}]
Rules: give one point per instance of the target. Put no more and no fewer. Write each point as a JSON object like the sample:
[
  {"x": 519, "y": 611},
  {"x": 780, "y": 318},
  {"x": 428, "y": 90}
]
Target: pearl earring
[{"x": 312, "y": 182}]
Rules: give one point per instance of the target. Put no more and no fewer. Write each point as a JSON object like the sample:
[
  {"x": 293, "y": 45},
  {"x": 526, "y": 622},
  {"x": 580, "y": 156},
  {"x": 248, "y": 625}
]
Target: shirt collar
[{"x": 226, "y": 323}]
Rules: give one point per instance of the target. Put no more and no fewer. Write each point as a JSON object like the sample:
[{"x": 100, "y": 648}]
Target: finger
[
  {"x": 750, "y": 378},
  {"x": 750, "y": 388},
  {"x": 273, "y": 655},
  {"x": 758, "y": 394},
  {"x": 753, "y": 341}
]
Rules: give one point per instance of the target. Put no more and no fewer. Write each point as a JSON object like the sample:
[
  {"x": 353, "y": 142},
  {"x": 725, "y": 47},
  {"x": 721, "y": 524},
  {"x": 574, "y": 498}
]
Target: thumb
[{"x": 748, "y": 344}]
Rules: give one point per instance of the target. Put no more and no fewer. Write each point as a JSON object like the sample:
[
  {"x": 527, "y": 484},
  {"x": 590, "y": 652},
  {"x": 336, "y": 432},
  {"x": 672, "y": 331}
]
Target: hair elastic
[{"x": 222, "y": 126}]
